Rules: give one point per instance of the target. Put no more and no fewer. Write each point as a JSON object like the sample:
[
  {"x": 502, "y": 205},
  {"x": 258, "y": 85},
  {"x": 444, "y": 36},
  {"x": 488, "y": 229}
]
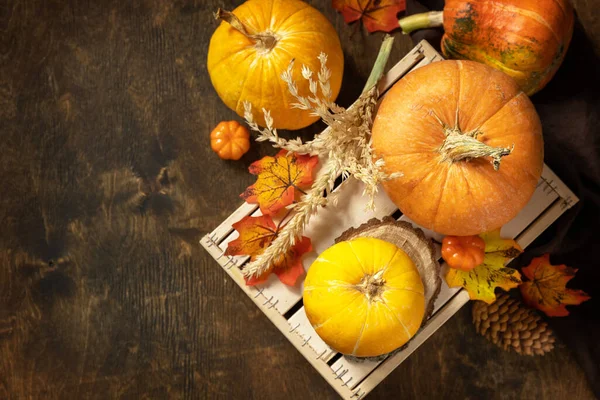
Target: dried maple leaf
[
  {"x": 546, "y": 289},
  {"x": 481, "y": 281},
  {"x": 255, "y": 235},
  {"x": 278, "y": 180},
  {"x": 376, "y": 15}
]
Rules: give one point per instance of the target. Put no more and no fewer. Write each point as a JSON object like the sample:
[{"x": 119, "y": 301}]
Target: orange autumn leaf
[
  {"x": 255, "y": 235},
  {"x": 279, "y": 178},
  {"x": 546, "y": 288},
  {"x": 376, "y": 15}
]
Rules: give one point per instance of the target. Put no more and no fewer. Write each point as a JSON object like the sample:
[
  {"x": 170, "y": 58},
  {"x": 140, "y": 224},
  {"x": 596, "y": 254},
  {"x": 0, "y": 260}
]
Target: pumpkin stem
[
  {"x": 458, "y": 146},
  {"x": 380, "y": 63},
  {"x": 372, "y": 285},
  {"x": 431, "y": 19},
  {"x": 264, "y": 41}
]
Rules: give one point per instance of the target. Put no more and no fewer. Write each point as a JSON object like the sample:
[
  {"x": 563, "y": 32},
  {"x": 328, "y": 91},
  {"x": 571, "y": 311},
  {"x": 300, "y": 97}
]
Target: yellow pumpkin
[
  {"x": 253, "y": 46},
  {"x": 364, "y": 297}
]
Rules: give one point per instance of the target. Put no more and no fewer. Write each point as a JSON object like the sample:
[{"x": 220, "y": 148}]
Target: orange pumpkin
[
  {"x": 526, "y": 39},
  {"x": 255, "y": 44},
  {"x": 463, "y": 252},
  {"x": 230, "y": 140},
  {"x": 467, "y": 142}
]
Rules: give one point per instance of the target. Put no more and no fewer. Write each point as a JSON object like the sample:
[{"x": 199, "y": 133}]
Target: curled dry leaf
[
  {"x": 546, "y": 288},
  {"x": 279, "y": 178},
  {"x": 481, "y": 281},
  {"x": 376, "y": 15},
  {"x": 255, "y": 235}
]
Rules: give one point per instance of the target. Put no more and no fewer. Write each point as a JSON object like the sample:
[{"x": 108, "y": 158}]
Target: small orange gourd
[
  {"x": 230, "y": 140},
  {"x": 463, "y": 252}
]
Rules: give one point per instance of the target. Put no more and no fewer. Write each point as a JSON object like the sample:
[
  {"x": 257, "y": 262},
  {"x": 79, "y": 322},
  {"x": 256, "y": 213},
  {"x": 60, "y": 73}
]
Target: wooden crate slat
[
  {"x": 559, "y": 187},
  {"x": 299, "y": 323},
  {"x": 353, "y": 371},
  {"x": 225, "y": 228},
  {"x": 396, "y": 72},
  {"x": 540, "y": 200},
  {"x": 542, "y": 223},
  {"x": 280, "y": 296},
  {"x": 423, "y": 62},
  {"x": 421, "y": 51}
]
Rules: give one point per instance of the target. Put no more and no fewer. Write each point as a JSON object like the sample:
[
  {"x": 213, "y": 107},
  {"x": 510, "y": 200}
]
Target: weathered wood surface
[{"x": 108, "y": 183}]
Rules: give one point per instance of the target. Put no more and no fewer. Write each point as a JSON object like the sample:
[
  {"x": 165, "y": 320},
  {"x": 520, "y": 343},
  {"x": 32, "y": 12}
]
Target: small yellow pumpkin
[
  {"x": 364, "y": 297},
  {"x": 256, "y": 42}
]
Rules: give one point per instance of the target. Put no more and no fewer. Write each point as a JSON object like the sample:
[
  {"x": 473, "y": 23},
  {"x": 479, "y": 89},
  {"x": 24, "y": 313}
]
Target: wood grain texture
[{"x": 108, "y": 184}]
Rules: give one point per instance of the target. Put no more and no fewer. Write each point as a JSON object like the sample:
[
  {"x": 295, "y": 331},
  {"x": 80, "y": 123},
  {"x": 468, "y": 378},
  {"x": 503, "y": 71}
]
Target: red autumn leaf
[
  {"x": 546, "y": 289},
  {"x": 376, "y": 15},
  {"x": 289, "y": 267},
  {"x": 255, "y": 235},
  {"x": 279, "y": 178}
]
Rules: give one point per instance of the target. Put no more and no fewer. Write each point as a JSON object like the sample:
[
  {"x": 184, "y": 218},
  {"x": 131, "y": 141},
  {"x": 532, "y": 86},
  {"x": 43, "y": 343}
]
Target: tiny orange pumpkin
[
  {"x": 463, "y": 252},
  {"x": 230, "y": 140}
]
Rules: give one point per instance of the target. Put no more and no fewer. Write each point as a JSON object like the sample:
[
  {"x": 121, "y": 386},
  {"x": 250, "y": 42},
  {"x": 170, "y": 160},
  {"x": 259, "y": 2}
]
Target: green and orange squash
[{"x": 526, "y": 39}]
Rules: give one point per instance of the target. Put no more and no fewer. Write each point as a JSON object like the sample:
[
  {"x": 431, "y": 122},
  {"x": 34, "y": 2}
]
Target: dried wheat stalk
[{"x": 346, "y": 146}]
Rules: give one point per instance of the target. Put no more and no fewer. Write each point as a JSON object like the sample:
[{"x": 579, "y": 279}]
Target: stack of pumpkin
[{"x": 463, "y": 136}]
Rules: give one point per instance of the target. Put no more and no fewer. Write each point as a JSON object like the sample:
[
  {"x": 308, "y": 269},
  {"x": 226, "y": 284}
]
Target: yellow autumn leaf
[
  {"x": 279, "y": 179},
  {"x": 481, "y": 281}
]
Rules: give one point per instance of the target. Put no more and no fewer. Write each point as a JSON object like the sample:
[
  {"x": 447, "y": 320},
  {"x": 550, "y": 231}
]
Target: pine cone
[{"x": 509, "y": 324}]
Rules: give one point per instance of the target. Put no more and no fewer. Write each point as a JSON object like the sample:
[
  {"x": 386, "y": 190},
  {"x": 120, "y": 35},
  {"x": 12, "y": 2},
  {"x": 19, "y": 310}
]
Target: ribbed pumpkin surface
[
  {"x": 465, "y": 197},
  {"x": 364, "y": 297}
]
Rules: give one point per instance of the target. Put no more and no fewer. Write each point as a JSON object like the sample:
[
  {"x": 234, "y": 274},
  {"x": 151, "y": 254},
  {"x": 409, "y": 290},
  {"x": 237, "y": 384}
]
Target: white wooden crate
[{"x": 283, "y": 305}]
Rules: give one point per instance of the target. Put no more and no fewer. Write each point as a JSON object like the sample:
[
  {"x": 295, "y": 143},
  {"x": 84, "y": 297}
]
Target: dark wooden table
[{"x": 108, "y": 182}]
